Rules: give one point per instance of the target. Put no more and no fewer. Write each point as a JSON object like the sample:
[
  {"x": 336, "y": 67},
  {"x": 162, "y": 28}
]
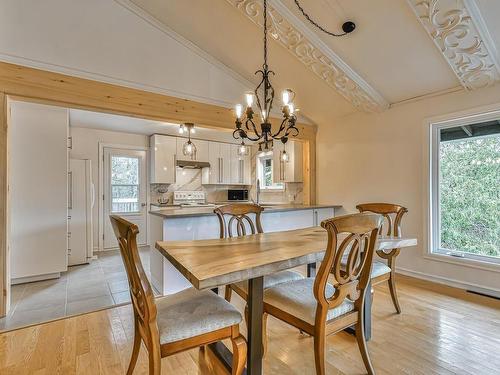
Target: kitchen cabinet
[
  {"x": 163, "y": 156},
  {"x": 240, "y": 167},
  {"x": 291, "y": 170},
  {"x": 201, "y": 149},
  {"x": 38, "y": 191},
  {"x": 219, "y": 155}
]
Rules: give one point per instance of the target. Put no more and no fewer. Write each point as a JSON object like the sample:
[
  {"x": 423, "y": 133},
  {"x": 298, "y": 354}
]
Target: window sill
[
  {"x": 272, "y": 190},
  {"x": 464, "y": 262}
]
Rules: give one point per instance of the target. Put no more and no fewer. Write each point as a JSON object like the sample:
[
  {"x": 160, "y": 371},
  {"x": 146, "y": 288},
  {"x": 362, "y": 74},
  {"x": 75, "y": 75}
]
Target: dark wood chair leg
[
  {"x": 135, "y": 350},
  {"x": 239, "y": 355},
  {"x": 227, "y": 293}
]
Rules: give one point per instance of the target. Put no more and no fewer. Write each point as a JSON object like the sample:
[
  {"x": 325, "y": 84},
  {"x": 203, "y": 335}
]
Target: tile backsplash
[{"x": 191, "y": 179}]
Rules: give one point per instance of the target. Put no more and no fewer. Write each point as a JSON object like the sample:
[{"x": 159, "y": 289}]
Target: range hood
[{"x": 192, "y": 164}]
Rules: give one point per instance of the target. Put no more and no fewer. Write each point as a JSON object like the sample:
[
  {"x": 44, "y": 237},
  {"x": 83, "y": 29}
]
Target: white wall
[
  {"x": 86, "y": 146},
  {"x": 381, "y": 157},
  {"x": 105, "y": 41}
]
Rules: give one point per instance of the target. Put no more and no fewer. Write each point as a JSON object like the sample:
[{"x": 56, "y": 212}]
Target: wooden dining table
[{"x": 208, "y": 264}]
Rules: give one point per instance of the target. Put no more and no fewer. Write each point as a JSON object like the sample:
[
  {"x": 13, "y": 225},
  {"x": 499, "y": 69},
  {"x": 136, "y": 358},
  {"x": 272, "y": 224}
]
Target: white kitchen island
[{"x": 178, "y": 224}]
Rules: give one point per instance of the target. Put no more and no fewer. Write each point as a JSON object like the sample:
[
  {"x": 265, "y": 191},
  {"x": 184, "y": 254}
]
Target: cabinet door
[
  {"x": 321, "y": 214},
  {"x": 247, "y": 170},
  {"x": 286, "y": 220},
  {"x": 225, "y": 155},
  {"x": 278, "y": 165},
  {"x": 163, "y": 154},
  {"x": 234, "y": 166},
  {"x": 293, "y": 167},
  {"x": 201, "y": 149},
  {"x": 214, "y": 176}
]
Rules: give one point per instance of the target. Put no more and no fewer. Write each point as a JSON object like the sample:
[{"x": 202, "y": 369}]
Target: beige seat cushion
[
  {"x": 297, "y": 298},
  {"x": 274, "y": 279},
  {"x": 379, "y": 269},
  {"x": 192, "y": 313}
]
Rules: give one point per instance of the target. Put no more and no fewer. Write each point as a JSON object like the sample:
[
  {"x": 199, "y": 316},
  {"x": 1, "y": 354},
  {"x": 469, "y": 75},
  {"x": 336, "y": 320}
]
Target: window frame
[
  {"x": 433, "y": 250},
  {"x": 275, "y": 187}
]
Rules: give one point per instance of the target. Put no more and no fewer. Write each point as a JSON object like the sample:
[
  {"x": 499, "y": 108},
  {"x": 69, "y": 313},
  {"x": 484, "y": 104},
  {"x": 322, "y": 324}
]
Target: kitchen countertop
[{"x": 176, "y": 212}]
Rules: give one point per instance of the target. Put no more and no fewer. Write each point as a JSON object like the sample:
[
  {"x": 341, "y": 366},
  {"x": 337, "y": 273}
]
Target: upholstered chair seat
[
  {"x": 297, "y": 298},
  {"x": 379, "y": 269},
  {"x": 272, "y": 280},
  {"x": 191, "y": 313}
]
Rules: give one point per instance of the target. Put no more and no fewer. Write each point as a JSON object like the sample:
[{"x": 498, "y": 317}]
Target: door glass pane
[
  {"x": 124, "y": 184},
  {"x": 469, "y": 194}
]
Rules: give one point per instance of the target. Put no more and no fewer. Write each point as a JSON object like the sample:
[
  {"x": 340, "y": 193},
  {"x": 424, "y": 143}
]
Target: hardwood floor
[{"x": 441, "y": 331}]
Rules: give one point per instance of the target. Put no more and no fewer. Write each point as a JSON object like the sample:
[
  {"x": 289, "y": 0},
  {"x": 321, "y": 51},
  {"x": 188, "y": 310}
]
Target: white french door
[{"x": 125, "y": 194}]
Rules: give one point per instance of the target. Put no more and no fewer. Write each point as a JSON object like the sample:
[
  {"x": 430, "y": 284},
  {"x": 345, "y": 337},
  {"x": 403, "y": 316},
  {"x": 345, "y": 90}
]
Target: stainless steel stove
[{"x": 191, "y": 199}]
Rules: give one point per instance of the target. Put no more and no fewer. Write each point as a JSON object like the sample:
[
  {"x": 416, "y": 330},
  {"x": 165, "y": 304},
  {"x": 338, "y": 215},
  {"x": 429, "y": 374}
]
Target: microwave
[{"x": 237, "y": 195}]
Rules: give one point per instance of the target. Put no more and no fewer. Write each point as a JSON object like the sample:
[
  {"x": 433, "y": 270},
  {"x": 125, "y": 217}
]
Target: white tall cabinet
[
  {"x": 38, "y": 191},
  {"x": 219, "y": 157},
  {"x": 291, "y": 170},
  {"x": 163, "y": 154}
]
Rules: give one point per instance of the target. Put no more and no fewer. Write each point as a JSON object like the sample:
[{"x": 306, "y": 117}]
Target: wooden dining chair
[
  {"x": 321, "y": 308},
  {"x": 235, "y": 219},
  {"x": 393, "y": 215},
  {"x": 177, "y": 322}
]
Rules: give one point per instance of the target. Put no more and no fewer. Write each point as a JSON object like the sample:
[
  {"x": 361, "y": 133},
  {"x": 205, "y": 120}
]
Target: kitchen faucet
[{"x": 258, "y": 191}]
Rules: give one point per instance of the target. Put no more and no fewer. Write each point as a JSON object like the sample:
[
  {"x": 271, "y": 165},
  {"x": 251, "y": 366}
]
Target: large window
[
  {"x": 265, "y": 172},
  {"x": 124, "y": 184},
  {"x": 466, "y": 190}
]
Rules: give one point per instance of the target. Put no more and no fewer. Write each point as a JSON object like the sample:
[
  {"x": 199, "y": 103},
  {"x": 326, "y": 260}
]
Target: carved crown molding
[
  {"x": 308, "y": 48},
  {"x": 457, "y": 33}
]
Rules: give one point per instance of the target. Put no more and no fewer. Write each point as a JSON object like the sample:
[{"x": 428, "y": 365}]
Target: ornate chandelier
[{"x": 263, "y": 96}]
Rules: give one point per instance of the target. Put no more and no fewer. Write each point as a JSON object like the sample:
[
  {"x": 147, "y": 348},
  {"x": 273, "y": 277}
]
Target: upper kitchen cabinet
[
  {"x": 292, "y": 169},
  {"x": 219, "y": 155},
  {"x": 201, "y": 150},
  {"x": 240, "y": 167},
  {"x": 163, "y": 155}
]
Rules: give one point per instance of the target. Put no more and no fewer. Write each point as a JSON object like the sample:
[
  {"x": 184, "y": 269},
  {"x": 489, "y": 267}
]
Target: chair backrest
[
  {"x": 393, "y": 213},
  {"x": 238, "y": 216},
  {"x": 348, "y": 258},
  {"x": 141, "y": 292}
]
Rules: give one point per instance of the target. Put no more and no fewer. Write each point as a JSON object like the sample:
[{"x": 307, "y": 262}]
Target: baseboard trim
[
  {"x": 450, "y": 282},
  {"x": 30, "y": 279}
]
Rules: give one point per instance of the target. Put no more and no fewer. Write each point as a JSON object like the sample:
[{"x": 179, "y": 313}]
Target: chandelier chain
[
  {"x": 265, "y": 34},
  {"x": 314, "y": 22}
]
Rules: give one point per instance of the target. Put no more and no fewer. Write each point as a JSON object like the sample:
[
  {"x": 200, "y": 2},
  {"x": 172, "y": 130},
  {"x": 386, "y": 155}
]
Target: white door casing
[{"x": 133, "y": 185}]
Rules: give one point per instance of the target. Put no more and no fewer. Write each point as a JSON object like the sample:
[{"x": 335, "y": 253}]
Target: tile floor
[{"x": 100, "y": 284}]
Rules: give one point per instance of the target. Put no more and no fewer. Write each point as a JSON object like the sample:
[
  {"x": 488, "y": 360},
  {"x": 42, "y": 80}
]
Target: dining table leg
[{"x": 255, "y": 311}]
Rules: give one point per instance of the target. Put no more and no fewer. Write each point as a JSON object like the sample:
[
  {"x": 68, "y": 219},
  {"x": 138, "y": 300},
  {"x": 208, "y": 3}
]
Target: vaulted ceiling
[{"x": 400, "y": 50}]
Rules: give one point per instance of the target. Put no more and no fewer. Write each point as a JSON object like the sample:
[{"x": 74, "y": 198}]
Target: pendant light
[{"x": 189, "y": 148}]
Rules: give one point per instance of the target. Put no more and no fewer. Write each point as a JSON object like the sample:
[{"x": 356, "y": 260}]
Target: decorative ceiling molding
[
  {"x": 460, "y": 35},
  {"x": 311, "y": 51}
]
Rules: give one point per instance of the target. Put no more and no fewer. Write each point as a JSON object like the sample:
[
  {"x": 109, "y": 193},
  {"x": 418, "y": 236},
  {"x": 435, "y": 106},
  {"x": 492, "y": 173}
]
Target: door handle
[{"x": 143, "y": 204}]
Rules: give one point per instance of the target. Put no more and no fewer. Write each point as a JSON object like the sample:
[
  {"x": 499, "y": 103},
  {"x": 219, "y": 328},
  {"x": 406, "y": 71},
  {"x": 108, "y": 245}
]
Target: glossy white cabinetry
[
  {"x": 240, "y": 167},
  {"x": 291, "y": 170},
  {"x": 163, "y": 154},
  {"x": 201, "y": 149},
  {"x": 165, "y": 277},
  {"x": 38, "y": 191},
  {"x": 219, "y": 155}
]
